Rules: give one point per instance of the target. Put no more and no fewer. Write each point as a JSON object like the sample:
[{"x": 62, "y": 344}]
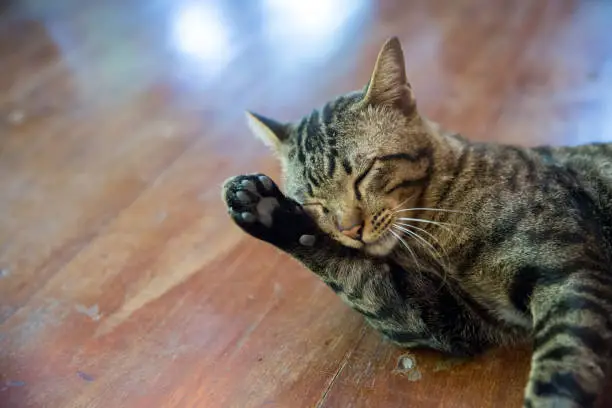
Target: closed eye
[
  {"x": 406, "y": 184},
  {"x": 323, "y": 208}
]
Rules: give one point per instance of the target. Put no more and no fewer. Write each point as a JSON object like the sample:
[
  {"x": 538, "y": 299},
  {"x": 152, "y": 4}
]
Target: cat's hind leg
[{"x": 572, "y": 342}]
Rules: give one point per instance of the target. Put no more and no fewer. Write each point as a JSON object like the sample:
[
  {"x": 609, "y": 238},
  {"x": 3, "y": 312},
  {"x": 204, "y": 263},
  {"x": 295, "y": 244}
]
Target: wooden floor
[{"x": 123, "y": 282}]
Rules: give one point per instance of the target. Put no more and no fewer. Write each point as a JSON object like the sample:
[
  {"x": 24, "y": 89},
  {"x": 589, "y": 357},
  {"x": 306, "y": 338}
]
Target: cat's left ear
[
  {"x": 269, "y": 131},
  {"x": 388, "y": 84}
]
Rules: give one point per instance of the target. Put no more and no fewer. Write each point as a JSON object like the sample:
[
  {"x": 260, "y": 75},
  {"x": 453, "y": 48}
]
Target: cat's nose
[
  {"x": 353, "y": 232},
  {"x": 351, "y": 225}
]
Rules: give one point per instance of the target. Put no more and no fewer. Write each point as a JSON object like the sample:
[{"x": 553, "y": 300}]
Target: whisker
[
  {"x": 424, "y": 231},
  {"x": 428, "y": 221},
  {"x": 432, "y": 209},
  {"x": 435, "y": 253},
  {"x": 451, "y": 233},
  {"x": 438, "y": 223},
  {"x": 447, "y": 257},
  {"x": 400, "y": 239},
  {"x": 402, "y": 203}
]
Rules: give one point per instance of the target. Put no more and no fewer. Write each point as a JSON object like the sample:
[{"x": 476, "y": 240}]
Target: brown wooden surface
[{"x": 122, "y": 281}]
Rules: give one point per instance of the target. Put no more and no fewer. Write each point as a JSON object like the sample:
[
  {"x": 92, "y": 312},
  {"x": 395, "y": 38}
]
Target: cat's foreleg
[{"x": 259, "y": 208}]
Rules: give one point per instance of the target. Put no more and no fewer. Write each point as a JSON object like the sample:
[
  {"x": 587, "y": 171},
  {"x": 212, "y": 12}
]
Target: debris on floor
[
  {"x": 93, "y": 312},
  {"x": 85, "y": 376},
  {"x": 407, "y": 366}
]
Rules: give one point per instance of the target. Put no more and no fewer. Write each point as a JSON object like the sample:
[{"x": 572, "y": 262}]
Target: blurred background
[{"x": 123, "y": 282}]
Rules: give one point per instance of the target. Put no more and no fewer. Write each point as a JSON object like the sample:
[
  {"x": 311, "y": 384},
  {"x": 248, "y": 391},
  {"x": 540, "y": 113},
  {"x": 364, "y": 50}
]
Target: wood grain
[{"x": 122, "y": 281}]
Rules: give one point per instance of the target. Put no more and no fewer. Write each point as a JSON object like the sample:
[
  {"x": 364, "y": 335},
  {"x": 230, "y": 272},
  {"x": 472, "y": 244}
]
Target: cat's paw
[
  {"x": 258, "y": 206},
  {"x": 252, "y": 199}
]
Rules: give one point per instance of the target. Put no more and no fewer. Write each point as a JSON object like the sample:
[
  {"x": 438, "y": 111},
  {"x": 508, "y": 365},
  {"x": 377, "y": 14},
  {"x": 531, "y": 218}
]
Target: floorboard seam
[{"x": 343, "y": 364}]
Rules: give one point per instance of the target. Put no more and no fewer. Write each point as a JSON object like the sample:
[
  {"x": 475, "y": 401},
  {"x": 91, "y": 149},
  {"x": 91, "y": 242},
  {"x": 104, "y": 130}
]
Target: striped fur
[{"x": 492, "y": 244}]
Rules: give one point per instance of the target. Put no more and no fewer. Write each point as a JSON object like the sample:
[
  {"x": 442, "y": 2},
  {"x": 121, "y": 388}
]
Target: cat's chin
[{"x": 382, "y": 247}]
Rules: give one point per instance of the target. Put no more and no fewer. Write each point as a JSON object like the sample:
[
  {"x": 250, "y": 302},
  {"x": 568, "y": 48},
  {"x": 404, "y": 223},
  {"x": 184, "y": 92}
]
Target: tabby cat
[{"x": 444, "y": 243}]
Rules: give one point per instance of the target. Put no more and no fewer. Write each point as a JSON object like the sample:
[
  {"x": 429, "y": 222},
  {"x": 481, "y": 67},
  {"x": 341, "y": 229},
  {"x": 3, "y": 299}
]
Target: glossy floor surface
[{"x": 123, "y": 282}]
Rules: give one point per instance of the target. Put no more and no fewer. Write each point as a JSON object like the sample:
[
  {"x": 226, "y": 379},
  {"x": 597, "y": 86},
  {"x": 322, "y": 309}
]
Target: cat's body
[{"x": 443, "y": 243}]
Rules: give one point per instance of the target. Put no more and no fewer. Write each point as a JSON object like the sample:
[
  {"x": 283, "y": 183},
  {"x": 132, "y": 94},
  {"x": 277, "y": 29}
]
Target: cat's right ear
[
  {"x": 269, "y": 131},
  {"x": 388, "y": 84}
]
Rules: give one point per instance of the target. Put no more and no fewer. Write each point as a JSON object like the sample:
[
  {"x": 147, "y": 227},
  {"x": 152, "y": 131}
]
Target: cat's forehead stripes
[
  {"x": 346, "y": 164},
  {"x": 316, "y": 143}
]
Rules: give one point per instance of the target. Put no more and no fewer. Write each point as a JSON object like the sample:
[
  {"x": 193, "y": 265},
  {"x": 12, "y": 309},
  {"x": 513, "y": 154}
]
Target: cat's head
[{"x": 358, "y": 160}]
